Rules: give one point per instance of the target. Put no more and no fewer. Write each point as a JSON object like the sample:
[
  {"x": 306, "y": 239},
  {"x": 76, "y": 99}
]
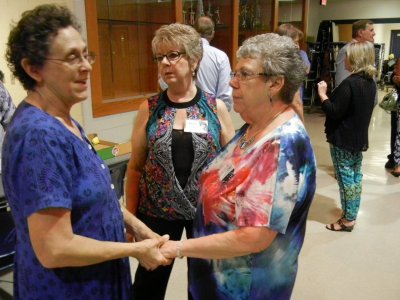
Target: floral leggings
[
  {"x": 347, "y": 166},
  {"x": 396, "y": 150}
]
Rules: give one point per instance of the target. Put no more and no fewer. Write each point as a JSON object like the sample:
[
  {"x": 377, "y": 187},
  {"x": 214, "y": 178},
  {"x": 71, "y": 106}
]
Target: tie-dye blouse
[{"x": 271, "y": 184}]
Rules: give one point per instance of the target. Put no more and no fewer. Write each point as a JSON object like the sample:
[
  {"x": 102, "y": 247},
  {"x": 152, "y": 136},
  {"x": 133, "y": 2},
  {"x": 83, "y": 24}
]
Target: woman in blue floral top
[
  {"x": 69, "y": 223},
  {"x": 256, "y": 193}
]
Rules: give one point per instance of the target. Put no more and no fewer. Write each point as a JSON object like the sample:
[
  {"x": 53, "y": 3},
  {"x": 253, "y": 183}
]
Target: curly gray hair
[
  {"x": 182, "y": 36},
  {"x": 278, "y": 56}
]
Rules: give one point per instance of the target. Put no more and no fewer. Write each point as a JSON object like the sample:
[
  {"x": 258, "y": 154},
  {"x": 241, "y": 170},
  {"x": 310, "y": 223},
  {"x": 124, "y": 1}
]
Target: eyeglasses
[
  {"x": 74, "y": 59},
  {"x": 244, "y": 76},
  {"x": 172, "y": 57}
]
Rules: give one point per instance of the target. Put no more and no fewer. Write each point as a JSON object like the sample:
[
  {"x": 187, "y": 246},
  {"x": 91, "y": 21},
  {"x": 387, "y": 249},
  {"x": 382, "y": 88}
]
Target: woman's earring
[{"x": 193, "y": 73}]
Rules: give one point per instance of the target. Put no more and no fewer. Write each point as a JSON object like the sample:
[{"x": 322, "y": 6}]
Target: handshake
[{"x": 157, "y": 251}]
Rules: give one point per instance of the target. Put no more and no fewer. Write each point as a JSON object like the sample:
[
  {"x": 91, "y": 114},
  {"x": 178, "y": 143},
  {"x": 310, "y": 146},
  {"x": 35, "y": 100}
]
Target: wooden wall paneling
[
  {"x": 123, "y": 83},
  {"x": 121, "y": 10},
  {"x": 101, "y": 108},
  {"x": 105, "y": 62},
  {"x": 178, "y": 8},
  {"x": 304, "y": 18},
  {"x": 147, "y": 68},
  {"x": 235, "y": 33},
  {"x": 133, "y": 75},
  {"x": 275, "y": 15},
  {"x": 224, "y": 31}
]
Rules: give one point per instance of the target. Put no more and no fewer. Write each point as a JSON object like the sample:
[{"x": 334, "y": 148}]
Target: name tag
[{"x": 196, "y": 126}]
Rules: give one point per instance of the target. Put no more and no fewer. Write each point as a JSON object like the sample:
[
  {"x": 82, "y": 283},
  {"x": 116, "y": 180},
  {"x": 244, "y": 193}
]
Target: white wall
[
  {"x": 384, "y": 34},
  {"x": 356, "y": 10},
  {"x": 359, "y": 9},
  {"x": 10, "y": 12}
]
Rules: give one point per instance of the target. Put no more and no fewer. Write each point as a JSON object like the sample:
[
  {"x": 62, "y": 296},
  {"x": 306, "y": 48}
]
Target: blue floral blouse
[{"x": 46, "y": 166}]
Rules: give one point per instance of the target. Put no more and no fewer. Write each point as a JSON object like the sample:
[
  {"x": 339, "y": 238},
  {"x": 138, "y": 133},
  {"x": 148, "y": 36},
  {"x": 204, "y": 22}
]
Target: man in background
[
  {"x": 7, "y": 109},
  {"x": 213, "y": 75},
  {"x": 362, "y": 30}
]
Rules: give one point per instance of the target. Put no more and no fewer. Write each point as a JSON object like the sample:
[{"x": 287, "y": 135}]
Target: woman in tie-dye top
[{"x": 255, "y": 195}]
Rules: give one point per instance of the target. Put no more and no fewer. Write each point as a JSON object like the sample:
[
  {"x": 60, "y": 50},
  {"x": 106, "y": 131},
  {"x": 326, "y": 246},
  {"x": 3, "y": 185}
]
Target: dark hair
[
  {"x": 1, "y": 76},
  {"x": 360, "y": 25},
  {"x": 205, "y": 27},
  {"x": 32, "y": 37}
]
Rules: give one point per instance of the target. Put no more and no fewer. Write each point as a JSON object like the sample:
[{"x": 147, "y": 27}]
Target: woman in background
[
  {"x": 348, "y": 113},
  {"x": 296, "y": 35},
  {"x": 176, "y": 133},
  {"x": 395, "y": 132}
]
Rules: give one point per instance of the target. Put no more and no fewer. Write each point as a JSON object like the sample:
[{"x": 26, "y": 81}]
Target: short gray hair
[
  {"x": 182, "y": 36},
  {"x": 279, "y": 56}
]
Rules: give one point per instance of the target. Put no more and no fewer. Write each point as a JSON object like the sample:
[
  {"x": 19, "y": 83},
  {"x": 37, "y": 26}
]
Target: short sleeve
[
  {"x": 286, "y": 184},
  {"x": 43, "y": 169}
]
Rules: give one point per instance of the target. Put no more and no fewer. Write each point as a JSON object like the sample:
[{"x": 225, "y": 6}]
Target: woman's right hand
[
  {"x": 322, "y": 88},
  {"x": 149, "y": 255}
]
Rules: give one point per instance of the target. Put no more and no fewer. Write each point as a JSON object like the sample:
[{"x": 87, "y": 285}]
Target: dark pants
[{"x": 152, "y": 285}]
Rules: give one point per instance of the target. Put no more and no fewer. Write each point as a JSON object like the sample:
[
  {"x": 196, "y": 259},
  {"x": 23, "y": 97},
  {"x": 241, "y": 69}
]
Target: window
[{"x": 120, "y": 33}]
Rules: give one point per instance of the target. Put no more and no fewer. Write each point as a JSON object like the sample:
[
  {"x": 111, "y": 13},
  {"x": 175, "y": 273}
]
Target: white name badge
[{"x": 196, "y": 126}]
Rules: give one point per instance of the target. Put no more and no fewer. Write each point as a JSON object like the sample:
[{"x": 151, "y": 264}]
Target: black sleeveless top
[{"x": 182, "y": 150}]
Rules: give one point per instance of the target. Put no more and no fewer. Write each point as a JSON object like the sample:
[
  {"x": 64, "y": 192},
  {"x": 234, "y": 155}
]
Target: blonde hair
[
  {"x": 185, "y": 37},
  {"x": 361, "y": 57}
]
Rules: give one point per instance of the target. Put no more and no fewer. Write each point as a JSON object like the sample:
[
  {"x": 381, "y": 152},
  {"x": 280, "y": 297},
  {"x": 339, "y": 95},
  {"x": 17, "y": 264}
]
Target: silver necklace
[{"x": 244, "y": 142}]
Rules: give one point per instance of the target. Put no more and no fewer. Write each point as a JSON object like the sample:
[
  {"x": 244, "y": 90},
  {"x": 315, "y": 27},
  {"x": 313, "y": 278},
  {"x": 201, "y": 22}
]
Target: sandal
[
  {"x": 395, "y": 173},
  {"x": 342, "y": 226}
]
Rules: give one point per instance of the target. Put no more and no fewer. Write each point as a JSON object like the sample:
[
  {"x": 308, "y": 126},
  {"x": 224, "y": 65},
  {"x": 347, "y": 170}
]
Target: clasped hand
[{"x": 150, "y": 256}]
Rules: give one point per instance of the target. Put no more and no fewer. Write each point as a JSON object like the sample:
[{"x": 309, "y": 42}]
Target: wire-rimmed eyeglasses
[
  {"x": 75, "y": 59},
  {"x": 172, "y": 57},
  {"x": 244, "y": 76}
]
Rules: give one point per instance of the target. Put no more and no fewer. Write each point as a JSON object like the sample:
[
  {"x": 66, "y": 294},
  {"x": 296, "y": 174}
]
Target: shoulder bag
[{"x": 389, "y": 101}]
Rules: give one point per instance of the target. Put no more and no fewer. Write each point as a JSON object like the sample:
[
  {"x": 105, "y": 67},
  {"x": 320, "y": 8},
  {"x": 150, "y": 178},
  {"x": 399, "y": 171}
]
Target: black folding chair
[{"x": 7, "y": 238}]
